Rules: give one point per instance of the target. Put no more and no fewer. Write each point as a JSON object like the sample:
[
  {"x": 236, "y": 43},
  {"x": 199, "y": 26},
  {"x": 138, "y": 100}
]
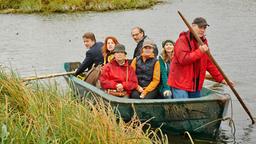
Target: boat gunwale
[{"x": 212, "y": 97}]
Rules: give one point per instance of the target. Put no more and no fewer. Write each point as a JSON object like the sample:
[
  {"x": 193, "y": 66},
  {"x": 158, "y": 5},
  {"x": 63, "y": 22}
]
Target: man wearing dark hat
[
  {"x": 118, "y": 77},
  {"x": 190, "y": 63}
]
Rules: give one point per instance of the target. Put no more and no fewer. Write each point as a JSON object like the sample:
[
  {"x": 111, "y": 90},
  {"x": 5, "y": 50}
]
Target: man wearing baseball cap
[{"x": 190, "y": 63}]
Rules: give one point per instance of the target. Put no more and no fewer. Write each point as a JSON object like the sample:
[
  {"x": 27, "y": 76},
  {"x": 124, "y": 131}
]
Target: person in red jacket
[
  {"x": 118, "y": 77},
  {"x": 190, "y": 63}
]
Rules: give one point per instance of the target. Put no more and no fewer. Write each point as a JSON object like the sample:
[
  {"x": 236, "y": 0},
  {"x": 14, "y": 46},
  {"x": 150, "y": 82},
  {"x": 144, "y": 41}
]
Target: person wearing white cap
[{"x": 147, "y": 69}]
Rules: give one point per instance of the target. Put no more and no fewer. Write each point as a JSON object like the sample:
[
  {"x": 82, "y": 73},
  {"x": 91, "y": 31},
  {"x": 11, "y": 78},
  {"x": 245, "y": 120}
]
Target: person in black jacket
[
  {"x": 93, "y": 55},
  {"x": 138, "y": 35}
]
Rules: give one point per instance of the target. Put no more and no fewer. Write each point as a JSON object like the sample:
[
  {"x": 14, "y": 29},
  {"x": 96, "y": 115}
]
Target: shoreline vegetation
[
  {"x": 65, "y": 6},
  {"x": 38, "y": 112}
]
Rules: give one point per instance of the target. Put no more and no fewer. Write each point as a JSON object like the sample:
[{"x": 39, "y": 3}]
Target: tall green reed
[{"x": 42, "y": 113}]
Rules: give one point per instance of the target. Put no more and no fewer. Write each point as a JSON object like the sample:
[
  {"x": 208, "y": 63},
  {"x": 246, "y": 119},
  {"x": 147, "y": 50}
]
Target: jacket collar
[
  {"x": 142, "y": 40},
  {"x": 190, "y": 36},
  {"x": 144, "y": 58},
  {"x": 115, "y": 63}
]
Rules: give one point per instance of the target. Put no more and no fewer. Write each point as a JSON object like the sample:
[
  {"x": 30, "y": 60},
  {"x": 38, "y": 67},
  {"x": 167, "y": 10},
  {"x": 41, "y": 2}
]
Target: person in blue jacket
[{"x": 93, "y": 55}]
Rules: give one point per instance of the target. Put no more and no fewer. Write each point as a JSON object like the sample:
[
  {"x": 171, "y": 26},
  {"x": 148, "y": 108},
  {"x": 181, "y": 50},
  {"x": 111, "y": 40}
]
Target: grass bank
[
  {"x": 48, "y": 6},
  {"x": 43, "y": 113}
]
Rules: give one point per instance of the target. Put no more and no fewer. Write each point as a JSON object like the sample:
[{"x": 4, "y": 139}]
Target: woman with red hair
[{"x": 108, "y": 47}]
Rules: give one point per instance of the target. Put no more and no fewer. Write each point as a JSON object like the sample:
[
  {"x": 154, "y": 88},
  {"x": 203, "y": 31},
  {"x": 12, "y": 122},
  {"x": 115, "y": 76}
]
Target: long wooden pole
[
  {"x": 218, "y": 67},
  {"x": 47, "y": 76}
]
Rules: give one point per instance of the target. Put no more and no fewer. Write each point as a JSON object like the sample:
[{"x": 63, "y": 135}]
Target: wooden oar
[
  {"x": 219, "y": 68},
  {"x": 47, "y": 76}
]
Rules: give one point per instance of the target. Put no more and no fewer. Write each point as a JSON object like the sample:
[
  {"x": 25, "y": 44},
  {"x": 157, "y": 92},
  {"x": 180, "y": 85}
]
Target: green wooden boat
[{"x": 198, "y": 116}]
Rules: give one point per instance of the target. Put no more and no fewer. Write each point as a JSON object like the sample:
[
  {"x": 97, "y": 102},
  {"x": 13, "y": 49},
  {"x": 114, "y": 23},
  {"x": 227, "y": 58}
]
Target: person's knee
[
  {"x": 151, "y": 95},
  {"x": 135, "y": 95},
  {"x": 196, "y": 94},
  {"x": 179, "y": 94}
]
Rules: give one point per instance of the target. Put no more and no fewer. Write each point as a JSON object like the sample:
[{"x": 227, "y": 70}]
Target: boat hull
[{"x": 200, "y": 117}]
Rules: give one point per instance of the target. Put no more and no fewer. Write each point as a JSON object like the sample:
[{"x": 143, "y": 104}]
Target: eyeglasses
[{"x": 135, "y": 34}]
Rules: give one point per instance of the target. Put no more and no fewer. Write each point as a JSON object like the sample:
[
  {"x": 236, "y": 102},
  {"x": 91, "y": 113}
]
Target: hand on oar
[
  {"x": 210, "y": 78},
  {"x": 204, "y": 48},
  {"x": 225, "y": 82},
  {"x": 47, "y": 76}
]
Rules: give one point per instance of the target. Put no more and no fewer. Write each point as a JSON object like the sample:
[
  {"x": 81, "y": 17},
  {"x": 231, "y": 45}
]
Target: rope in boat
[
  {"x": 220, "y": 119},
  {"x": 231, "y": 124},
  {"x": 233, "y": 131},
  {"x": 231, "y": 121}
]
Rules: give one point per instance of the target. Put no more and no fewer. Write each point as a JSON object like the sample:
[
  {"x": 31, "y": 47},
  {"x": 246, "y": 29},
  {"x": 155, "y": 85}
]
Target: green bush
[{"x": 28, "y": 6}]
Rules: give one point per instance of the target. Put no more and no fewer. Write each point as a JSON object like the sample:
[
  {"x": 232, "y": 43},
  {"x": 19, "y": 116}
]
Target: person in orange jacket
[{"x": 147, "y": 69}]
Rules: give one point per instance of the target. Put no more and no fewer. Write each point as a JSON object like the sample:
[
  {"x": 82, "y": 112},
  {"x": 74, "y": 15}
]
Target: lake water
[{"x": 41, "y": 43}]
